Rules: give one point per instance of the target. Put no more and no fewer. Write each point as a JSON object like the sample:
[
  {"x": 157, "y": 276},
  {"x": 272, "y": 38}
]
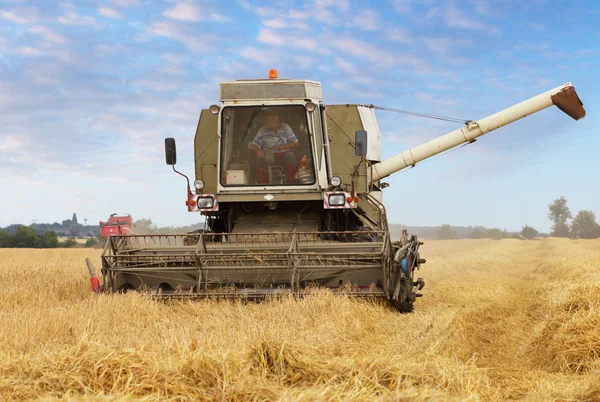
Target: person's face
[{"x": 273, "y": 122}]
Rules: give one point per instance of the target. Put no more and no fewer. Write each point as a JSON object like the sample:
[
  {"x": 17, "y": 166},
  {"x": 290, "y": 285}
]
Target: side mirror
[
  {"x": 360, "y": 142},
  {"x": 170, "y": 151}
]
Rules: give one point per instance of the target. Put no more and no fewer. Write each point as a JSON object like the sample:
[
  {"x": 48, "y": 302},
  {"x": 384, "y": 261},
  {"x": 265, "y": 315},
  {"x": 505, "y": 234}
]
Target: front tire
[{"x": 407, "y": 306}]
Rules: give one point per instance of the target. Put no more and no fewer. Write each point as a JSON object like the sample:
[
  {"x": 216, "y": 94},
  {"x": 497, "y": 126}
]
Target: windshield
[{"x": 265, "y": 146}]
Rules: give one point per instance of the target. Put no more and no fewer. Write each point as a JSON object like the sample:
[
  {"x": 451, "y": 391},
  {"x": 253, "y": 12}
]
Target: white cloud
[
  {"x": 48, "y": 34},
  {"x": 340, "y": 4},
  {"x": 267, "y": 36},
  {"x": 310, "y": 44},
  {"x": 542, "y": 82},
  {"x": 538, "y": 27},
  {"x": 398, "y": 35},
  {"x": 303, "y": 61},
  {"x": 279, "y": 23},
  {"x": 402, "y": 6},
  {"x": 367, "y": 20},
  {"x": 29, "y": 51},
  {"x": 455, "y": 19},
  {"x": 109, "y": 12},
  {"x": 438, "y": 45},
  {"x": 20, "y": 15},
  {"x": 297, "y": 41},
  {"x": 10, "y": 143},
  {"x": 265, "y": 11},
  {"x": 11, "y": 16},
  {"x": 427, "y": 98},
  {"x": 442, "y": 47},
  {"x": 191, "y": 13},
  {"x": 352, "y": 72},
  {"x": 103, "y": 49},
  {"x": 257, "y": 55},
  {"x": 245, "y": 4},
  {"x": 183, "y": 12},
  {"x": 275, "y": 23},
  {"x": 482, "y": 7},
  {"x": 72, "y": 18},
  {"x": 126, "y": 3},
  {"x": 194, "y": 42},
  {"x": 365, "y": 50}
]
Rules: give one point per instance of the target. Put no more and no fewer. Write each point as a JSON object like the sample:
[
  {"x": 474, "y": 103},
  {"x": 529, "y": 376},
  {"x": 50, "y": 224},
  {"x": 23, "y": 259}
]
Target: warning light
[
  {"x": 272, "y": 73},
  {"x": 349, "y": 199}
]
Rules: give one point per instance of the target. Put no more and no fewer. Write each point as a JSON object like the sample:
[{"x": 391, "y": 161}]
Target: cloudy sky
[{"x": 89, "y": 89}]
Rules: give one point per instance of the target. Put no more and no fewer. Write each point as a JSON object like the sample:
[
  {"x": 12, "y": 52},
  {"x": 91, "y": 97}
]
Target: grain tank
[{"x": 291, "y": 192}]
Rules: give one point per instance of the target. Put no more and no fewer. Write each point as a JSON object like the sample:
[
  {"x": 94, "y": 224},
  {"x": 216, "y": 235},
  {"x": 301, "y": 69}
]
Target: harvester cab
[{"x": 291, "y": 192}]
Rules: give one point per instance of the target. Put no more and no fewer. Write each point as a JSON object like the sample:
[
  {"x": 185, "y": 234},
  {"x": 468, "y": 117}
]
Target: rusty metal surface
[
  {"x": 568, "y": 101},
  {"x": 263, "y": 294},
  {"x": 203, "y": 261}
]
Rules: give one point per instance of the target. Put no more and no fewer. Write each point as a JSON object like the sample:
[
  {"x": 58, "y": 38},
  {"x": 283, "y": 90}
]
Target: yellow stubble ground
[{"x": 499, "y": 320}]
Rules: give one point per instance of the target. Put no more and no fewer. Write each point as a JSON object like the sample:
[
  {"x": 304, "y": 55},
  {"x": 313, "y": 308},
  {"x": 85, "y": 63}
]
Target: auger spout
[{"x": 564, "y": 97}]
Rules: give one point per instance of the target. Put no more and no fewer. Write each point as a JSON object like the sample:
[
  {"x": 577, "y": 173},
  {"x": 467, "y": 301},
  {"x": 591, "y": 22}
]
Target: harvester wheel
[
  {"x": 405, "y": 307},
  {"x": 165, "y": 287},
  {"x": 126, "y": 287}
]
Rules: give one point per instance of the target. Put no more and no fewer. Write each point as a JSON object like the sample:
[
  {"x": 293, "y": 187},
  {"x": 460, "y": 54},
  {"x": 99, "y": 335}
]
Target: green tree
[
  {"x": 144, "y": 226},
  {"x": 528, "y": 232},
  {"x": 70, "y": 243},
  {"x": 25, "y": 237},
  {"x": 91, "y": 242},
  {"x": 75, "y": 229},
  {"x": 49, "y": 240},
  {"x": 445, "y": 232},
  {"x": 5, "y": 239},
  {"x": 584, "y": 225},
  {"x": 477, "y": 234},
  {"x": 559, "y": 214},
  {"x": 495, "y": 234}
]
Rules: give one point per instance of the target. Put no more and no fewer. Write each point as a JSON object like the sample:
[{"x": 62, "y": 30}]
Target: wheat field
[{"x": 499, "y": 320}]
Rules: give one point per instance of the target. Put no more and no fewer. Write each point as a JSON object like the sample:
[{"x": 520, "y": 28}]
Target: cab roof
[{"x": 271, "y": 89}]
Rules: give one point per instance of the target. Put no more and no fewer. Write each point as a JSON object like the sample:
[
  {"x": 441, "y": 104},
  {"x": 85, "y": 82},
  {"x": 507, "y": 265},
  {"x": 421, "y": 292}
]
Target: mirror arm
[{"x": 190, "y": 195}]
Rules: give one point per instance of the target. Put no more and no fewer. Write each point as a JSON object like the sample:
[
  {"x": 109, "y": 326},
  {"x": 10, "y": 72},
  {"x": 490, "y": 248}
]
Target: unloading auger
[{"x": 291, "y": 200}]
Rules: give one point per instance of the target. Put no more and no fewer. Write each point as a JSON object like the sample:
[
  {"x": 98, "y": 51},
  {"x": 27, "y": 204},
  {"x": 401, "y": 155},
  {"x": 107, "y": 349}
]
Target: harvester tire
[
  {"x": 406, "y": 306},
  {"x": 126, "y": 287}
]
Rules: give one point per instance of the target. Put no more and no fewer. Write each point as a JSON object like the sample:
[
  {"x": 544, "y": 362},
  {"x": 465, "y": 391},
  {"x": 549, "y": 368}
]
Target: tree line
[
  {"x": 28, "y": 237},
  {"x": 68, "y": 227},
  {"x": 582, "y": 226},
  {"x": 38, "y": 235}
]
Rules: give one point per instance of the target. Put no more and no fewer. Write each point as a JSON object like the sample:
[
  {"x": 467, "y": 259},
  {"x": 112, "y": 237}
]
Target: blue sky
[{"x": 89, "y": 89}]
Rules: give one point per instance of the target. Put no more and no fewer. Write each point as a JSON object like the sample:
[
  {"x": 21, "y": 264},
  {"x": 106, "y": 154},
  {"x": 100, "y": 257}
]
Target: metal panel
[
  {"x": 247, "y": 260},
  {"x": 369, "y": 122},
  {"x": 342, "y": 122},
  {"x": 206, "y": 150},
  {"x": 270, "y": 89}
]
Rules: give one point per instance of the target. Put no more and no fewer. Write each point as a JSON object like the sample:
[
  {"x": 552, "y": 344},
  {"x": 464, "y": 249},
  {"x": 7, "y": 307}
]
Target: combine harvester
[
  {"x": 294, "y": 210},
  {"x": 117, "y": 225}
]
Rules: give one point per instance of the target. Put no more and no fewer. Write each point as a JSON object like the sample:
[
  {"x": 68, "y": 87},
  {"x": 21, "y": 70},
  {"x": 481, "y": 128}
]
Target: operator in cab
[{"x": 274, "y": 144}]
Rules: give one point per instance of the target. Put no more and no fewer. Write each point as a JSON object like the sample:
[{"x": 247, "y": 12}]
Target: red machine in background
[{"x": 120, "y": 225}]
